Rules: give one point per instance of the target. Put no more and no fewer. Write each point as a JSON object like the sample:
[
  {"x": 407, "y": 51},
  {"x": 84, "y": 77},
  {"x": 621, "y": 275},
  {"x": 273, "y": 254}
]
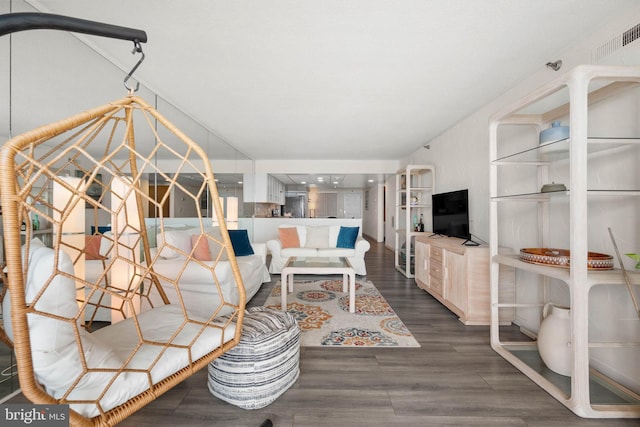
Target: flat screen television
[{"x": 451, "y": 214}]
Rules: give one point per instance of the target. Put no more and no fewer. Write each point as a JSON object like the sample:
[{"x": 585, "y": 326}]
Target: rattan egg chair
[{"x": 89, "y": 165}]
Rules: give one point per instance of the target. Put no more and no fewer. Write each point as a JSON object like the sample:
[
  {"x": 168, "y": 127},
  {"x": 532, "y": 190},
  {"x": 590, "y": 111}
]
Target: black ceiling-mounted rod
[{"x": 13, "y": 22}]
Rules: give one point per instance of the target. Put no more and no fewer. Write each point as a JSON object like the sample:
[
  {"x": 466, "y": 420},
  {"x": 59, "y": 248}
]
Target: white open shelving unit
[
  {"x": 414, "y": 186},
  {"x": 587, "y": 392}
]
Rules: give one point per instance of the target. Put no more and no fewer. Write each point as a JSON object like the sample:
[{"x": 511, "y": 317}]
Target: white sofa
[
  {"x": 197, "y": 281},
  {"x": 313, "y": 243}
]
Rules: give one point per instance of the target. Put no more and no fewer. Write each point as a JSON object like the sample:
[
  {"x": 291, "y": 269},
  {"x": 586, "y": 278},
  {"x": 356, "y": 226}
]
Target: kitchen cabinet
[{"x": 262, "y": 188}]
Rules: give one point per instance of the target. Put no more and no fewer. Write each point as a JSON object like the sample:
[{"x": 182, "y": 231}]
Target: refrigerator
[{"x": 297, "y": 205}]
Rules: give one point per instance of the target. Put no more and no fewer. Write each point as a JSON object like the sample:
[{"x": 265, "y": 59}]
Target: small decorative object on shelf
[
  {"x": 636, "y": 258},
  {"x": 562, "y": 257},
  {"x": 555, "y": 133},
  {"x": 627, "y": 281},
  {"x": 554, "y": 339},
  {"x": 549, "y": 188}
]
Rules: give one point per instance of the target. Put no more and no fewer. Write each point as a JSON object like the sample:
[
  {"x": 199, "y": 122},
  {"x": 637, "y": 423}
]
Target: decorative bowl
[{"x": 562, "y": 258}]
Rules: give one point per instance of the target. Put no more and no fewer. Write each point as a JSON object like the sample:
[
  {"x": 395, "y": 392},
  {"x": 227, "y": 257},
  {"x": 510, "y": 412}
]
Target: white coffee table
[{"x": 318, "y": 265}]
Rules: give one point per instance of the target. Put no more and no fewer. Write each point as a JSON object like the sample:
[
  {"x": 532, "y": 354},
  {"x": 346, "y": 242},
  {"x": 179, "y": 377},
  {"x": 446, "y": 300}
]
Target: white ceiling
[{"x": 337, "y": 79}]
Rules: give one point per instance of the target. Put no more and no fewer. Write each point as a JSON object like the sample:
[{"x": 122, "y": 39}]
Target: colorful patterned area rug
[{"x": 322, "y": 312}]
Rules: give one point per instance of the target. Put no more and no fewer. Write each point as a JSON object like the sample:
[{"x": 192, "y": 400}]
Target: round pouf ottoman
[{"x": 263, "y": 365}]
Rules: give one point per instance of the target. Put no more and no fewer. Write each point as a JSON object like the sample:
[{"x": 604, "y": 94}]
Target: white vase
[{"x": 554, "y": 339}]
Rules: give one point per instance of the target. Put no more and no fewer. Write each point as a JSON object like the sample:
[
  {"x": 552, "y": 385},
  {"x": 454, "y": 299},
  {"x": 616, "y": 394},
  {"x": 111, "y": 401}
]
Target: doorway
[
  {"x": 158, "y": 193},
  {"x": 352, "y": 205}
]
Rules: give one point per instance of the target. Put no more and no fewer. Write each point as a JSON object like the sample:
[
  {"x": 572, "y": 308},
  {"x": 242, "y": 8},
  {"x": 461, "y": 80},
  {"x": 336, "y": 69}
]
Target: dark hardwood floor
[{"x": 453, "y": 379}]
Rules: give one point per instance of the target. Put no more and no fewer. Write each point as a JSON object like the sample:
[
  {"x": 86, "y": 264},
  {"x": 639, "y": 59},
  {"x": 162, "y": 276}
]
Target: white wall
[
  {"x": 390, "y": 223},
  {"x": 372, "y": 218},
  {"x": 340, "y": 195},
  {"x": 461, "y": 158}
]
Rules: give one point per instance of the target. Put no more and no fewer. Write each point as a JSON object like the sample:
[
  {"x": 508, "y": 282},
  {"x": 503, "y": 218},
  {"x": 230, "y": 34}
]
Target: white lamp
[
  {"x": 126, "y": 219},
  {"x": 68, "y": 215},
  {"x": 214, "y": 215},
  {"x": 125, "y": 223},
  {"x": 232, "y": 213}
]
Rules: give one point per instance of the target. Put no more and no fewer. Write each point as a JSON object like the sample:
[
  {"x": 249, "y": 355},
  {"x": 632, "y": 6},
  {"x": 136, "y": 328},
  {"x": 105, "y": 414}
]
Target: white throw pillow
[
  {"x": 215, "y": 243},
  {"x": 178, "y": 239},
  {"x": 317, "y": 237},
  {"x": 302, "y": 234},
  {"x": 106, "y": 244},
  {"x": 55, "y": 354},
  {"x": 334, "y": 231}
]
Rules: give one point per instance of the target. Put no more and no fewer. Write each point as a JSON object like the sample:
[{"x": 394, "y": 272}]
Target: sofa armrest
[
  {"x": 362, "y": 245},
  {"x": 260, "y": 249},
  {"x": 274, "y": 247}
]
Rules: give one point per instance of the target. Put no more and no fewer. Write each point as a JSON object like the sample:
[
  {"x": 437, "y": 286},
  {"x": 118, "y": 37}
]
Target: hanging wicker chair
[{"x": 154, "y": 340}]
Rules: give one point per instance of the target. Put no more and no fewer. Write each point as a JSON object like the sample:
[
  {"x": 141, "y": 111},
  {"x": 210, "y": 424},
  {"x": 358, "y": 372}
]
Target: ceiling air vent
[
  {"x": 616, "y": 43},
  {"x": 630, "y": 35}
]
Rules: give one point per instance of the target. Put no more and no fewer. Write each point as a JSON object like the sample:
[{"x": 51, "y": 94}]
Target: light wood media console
[{"x": 458, "y": 277}]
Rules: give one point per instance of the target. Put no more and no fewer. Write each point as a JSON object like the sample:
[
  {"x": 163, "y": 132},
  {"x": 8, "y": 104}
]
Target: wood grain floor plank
[{"x": 453, "y": 379}]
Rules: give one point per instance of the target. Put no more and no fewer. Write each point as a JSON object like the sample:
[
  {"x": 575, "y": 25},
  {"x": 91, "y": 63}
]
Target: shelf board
[
  {"x": 595, "y": 277},
  {"x": 543, "y": 197},
  {"x": 601, "y": 392},
  {"x": 559, "y": 149},
  {"x": 530, "y": 197}
]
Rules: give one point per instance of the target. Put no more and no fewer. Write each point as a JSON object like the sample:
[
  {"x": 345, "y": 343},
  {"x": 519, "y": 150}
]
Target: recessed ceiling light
[
  {"x": 335, "y": 182},
  {"x": 303, "y": 182},
  {"x": 370, "y": 180},
  {"x": 239, "y": 182}
]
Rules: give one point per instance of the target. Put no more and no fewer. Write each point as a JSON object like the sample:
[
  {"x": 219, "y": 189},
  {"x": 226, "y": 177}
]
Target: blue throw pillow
[
  {"x": 347, "y": 237},
  {"x": 101, "y": 229},
  {"x": 240, "y": 242}
]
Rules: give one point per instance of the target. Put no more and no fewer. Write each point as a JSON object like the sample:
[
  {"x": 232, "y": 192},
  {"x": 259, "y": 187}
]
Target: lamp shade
[
  {"x": 214, "y": 216},
  {"x": 68, "y": 205},
  {"x": 125, "y": 223},
  {"x": 68, "y": 215},
  {"x": 126, "y": 218},
  {"x": 232, "y": 209}
]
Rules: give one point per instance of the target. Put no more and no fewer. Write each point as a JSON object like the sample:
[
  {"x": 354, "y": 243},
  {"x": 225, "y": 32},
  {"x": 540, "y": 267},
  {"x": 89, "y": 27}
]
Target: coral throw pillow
[
  {"x": 92, "y": 247},
  {"x": 289, "y": 237},
  {"x": 201, "y": 248}
]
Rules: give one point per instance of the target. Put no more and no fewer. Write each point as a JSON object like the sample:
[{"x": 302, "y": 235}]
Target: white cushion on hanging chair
[{"x": 57, "y": 360}]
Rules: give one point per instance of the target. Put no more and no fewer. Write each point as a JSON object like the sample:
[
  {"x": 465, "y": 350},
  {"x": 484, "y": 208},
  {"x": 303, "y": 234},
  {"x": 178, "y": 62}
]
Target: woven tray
[{"x": 562, "y": 257}]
